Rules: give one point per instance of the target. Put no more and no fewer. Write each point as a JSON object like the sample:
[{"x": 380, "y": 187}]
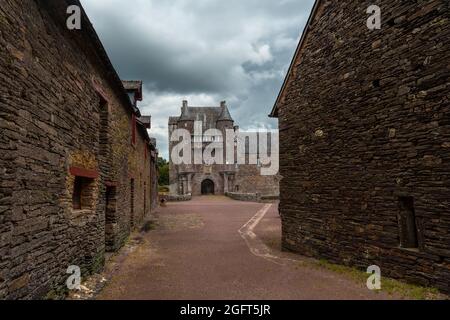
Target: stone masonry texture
[
  {"x": 364, "y": 122},
  {"x": 63, "y": 115}
]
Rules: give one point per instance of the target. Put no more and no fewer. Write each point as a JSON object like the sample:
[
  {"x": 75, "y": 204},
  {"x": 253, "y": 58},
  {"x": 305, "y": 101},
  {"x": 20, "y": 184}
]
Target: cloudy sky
[{"x": 204, "y": 51}]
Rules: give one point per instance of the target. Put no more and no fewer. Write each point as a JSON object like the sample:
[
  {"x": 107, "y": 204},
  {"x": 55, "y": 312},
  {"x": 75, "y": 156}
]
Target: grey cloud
[{"x": 202, "y": 50}]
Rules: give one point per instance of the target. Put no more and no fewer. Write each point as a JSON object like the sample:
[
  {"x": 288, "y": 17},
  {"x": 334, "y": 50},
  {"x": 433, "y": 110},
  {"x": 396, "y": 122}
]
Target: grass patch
[
  {"x": 149, "y": 226},
  {"x": 59, "y": 293},
  {"x": 388, "y": 285},
  {"x": 180, "y": 222},
  {"x": 163, "y": 189}
]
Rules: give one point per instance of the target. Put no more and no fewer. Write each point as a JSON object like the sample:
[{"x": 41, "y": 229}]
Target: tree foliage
[{"x": 163, "y": 168}]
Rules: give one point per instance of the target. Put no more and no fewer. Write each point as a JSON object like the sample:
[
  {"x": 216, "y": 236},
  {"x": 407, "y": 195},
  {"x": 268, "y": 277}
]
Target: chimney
[
  {"x": 184, "y": 111},
  {"x": 184, "y": 107},
  {"x": 223, "y": 104}
]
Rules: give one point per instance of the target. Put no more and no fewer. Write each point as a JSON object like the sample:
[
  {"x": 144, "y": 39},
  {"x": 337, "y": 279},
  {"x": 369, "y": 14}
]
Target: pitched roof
[
  {"x": 134, "y": 86},
  {"x": 209, "y": 115},
  {"x": 173, "y": 120},
  {"x": 312, "y": 16},
  {"x": 146, "y": 121},
  {"x": 225, "y": 114}
]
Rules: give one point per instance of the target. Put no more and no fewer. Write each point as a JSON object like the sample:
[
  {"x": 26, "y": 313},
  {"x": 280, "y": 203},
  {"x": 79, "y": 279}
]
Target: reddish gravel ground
[{"x": 196, "y": 251}]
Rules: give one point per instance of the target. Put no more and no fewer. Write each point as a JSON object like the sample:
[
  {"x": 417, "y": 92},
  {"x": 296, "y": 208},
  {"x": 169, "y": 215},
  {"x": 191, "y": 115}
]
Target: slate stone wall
[
  {"x": 50, "y": 122},
  {"x": 248, "y": 179},
  {"x": 365, "y": 121}
]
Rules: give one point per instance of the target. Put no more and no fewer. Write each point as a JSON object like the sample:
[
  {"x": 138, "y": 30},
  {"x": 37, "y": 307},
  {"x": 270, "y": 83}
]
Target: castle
[{"x": 230, "y": 178}]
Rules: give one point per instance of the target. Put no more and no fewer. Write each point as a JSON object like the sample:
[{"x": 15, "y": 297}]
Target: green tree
[{"x": 163, "y": 168}]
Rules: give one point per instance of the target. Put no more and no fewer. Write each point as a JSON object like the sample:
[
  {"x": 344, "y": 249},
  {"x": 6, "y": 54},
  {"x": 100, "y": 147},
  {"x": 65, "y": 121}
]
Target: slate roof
[
  {"x": 132, "y": 84},
  {"x": 173, "y": 120},
  {"x": 225, "y": 115},
  {"x": 146, "y": 121},
  {"x": 209, "y": 115}
]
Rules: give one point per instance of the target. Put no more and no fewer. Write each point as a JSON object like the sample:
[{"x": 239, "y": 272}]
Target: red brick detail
[
  {"x": 98, "y": 88},
  {"x": 111, "y": 183},
  {"x": 85, "y": 173}
]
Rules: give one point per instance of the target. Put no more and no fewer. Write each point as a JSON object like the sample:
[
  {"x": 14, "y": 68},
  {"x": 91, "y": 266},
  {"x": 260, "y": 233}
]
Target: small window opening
[
  {"x": 408, "y": 224},
  {"x": 391, "y": 23},
  {"x": 82, "y": 197},
  {"x": 376, "y": 83}
]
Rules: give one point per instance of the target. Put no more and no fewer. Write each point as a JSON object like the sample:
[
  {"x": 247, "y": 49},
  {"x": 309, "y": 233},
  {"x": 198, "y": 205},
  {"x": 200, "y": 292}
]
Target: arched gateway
[{"x": 207, "y": 187}]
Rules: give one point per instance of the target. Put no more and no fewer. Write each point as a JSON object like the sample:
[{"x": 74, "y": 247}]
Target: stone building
[
  {"x": 239, "y": 180},
  {"x": 146, "y": 144},
  {"x": 365, "y": 139},
  {"x": 75, "y": 155}
]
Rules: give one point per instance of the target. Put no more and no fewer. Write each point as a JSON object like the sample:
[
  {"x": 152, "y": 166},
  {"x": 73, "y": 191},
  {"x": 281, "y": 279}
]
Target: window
[
  {"x": 82, "y": 197},
  {"x": 376, "y": 83},
  {"x": 407, "y": 223}
]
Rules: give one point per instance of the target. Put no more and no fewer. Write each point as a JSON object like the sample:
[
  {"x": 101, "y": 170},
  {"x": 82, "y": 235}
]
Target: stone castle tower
[{"x": 203, "y": 179}]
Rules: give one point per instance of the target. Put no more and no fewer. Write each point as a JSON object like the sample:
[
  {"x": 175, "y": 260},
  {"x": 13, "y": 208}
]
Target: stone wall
[
  {"x": 213, "y": 175},
  {"x": 252, "y": 197},
  {"x": 58, "y": 102},
  {"x": 249, "y": 180},
  {"x": 178, "y": 198},
  {"x": 364, "y": 123}
]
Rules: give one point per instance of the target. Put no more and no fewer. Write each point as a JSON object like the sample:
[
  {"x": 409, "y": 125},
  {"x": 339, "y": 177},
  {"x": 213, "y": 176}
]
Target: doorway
[{"x": 207, "y": 187}]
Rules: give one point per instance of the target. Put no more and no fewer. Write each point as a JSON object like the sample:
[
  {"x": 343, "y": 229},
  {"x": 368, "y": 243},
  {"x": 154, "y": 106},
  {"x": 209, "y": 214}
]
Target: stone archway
[{"x": 207, "y": 187}]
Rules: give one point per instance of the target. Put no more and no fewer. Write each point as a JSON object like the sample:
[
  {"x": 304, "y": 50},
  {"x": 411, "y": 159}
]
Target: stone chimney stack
[
  {"x": 184, "y": 107},
  {"x": 223, "y": 104},
  {"x": 184, "y": 112}
]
